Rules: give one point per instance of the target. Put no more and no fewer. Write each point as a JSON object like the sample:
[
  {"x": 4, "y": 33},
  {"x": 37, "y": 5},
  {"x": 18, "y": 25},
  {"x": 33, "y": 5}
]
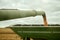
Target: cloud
[{"x": 51, "y": 7}]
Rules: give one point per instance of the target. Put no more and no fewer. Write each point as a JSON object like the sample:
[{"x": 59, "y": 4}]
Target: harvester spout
[{"x": 6, "y": 14}]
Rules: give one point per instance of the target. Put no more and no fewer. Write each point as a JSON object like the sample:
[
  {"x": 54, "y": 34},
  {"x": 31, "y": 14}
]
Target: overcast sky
[{"x": 51, "y": 8}]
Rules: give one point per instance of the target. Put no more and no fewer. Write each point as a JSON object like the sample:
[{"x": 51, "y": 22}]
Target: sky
[{"x": 51, "y": 8}]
